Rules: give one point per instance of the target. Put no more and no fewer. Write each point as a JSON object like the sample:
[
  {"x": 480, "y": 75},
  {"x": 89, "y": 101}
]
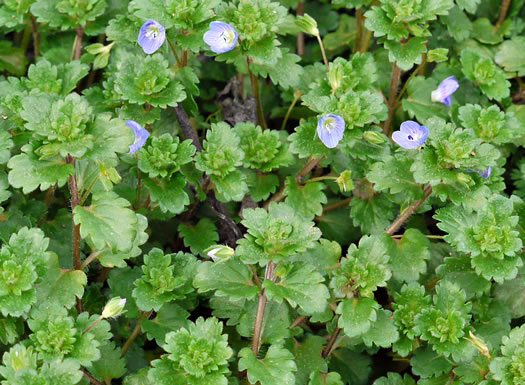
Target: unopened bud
[
  {"x": 463, "y": 178},
  {"x": 374, "y": 137},
  {"x": 344, "y": 180},
  {"x": 479, "y": 344},
  {"x": 335, "y": 76},
  {"x": 114, "y": 307},
  {"x": 307, "y": 25},
  {"x": 219, "y": 252}
]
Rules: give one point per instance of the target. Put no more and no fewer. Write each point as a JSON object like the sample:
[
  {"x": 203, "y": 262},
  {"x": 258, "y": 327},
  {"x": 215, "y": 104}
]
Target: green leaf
[
  {"x": 199, "y": 237},
  {"x": 372, "y": 215},
  {"x": 406, "y": 54},
  {"x": 427, "y": 363},
  {"x": 458, "y": 23},
  {"x": 408, "y": 256},
  {"x": 12, "y": 59},
  {"x": 357, "y": 315},
  {"x": 511, "y": 293},
  {"x": 171, "y": 317},
  {"x": 66, "y": 15},
  {"x": 318, "y": 378},
  {"x": 108, "y": 221},
  {"x": 324, "y": 256},
  {"x": 306, "y": 200},
  {"x": 169, "y": 193},
  {"x": 231, "y": 187},
  {"x": 300, "y": 285},
  {"x": 418, "y": 103},
  {"x": 308, "y": 358},
  {"x": 146, "y": 79},
  {"x": 485, "y": 32},
  {"x": 395, "y": 379},
  {"x": 111, "y": 365},
  {"x": 287, "y": 73},
  {"x": 383, "y": 332},
  {"x": 482, "y": 70},
  {"x": 511, "y": 55},
  {"x": 437, "y": 55},
  {"x": 166, "y": 277},
  {"x": 275, "y": 234},
  {"x": 276, "y": 368},
  {"x": 231, "y": 278},
  {"x": 28, "y": 172},
  {"x": 393, "y": 175},
  {"x": 186, "y": 347},
  {"x": 305, "y": 142}
]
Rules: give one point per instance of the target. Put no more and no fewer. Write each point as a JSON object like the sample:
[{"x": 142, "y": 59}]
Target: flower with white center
[
  {"x": 484, "y": 174},
  {"x": 330, "y": 129},
  {"x": 141, "y": 135},
  {"x": 410, "y": 135},
  {"x": 221, "y": 37},
  {"x": 445, "y": 90},
  {"x": 151, "y": 36}
]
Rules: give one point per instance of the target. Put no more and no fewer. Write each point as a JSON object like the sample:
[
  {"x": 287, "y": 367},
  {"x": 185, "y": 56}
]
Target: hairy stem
[
  {"x": 179, "y": 64},
  {"x": 400, "y": 221},
  {"x": 93, "y": 256},
  {"x": 366, "y": 41},
  {"x": 233, "y": 231},
  {"x": 300, "y": 35},
  {"x": 256, "y": 90},
  {"x": 323, "y": 51},
  {"x": 394, "y": 84},
  {"x": 359, "y": 33},
  {"x": 331, "y": 343},
  {"x": 73, "y": 189},
  {"x": 135, "y": 333},
  {"x": 36, "y": 36},
  {"x": 90, "y": 377},
  {"x": 336, "y": 205},
  {"x": 76, "y": 52},
  {"x": 298, "y": 177},
  {"x": 297, "y": 96},
  {"x": 261, "y": 307},
  {"x": 505, "y": 4},
  {"x": 405, "y": 86}
]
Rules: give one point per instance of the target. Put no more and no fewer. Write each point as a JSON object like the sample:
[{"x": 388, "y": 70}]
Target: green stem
[
  {"x": 76, "y": 52},
  {"x": 261, "y": 307},
  {"x": 74, "y": 203},
  {"x": 36, "y": 36},
  {"x": 256, "y": 90},
  {"x": 505, "y": 4},
  {"x": 139, "y": 182},
  {"x": 174, "y": 52},
  {"x": 359, "y": 33},
  {"x": 405, "y": 86},
  {"x": 394, "y": 84},
  {"x": 297, "y": 96},
  {"x": 366, "y": 41},
  {"x": 26, "y": 38},
  {"x": 336, "y": 205},
  {"x": 92, "y": 325},
  {"x": 320, "y": 178},
  {"x": 323, "y": 52},
  {"x": 135, "y": 333},
  {"x": 88, "y": 191},
  {"x": 90, "y": 259}
]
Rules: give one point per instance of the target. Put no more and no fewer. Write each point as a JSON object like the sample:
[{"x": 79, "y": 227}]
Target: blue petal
[
  {"x": 447, "y": 101},
  {"x": 487, "y": 172},
  {"x": 401, "y": 138},
  {"x": 141, "y": 135},
  {"x": 446, "y": 88},
  {"x": 410, "y": 127},
  {"x": 151, "y": 44},
  {"x": 331, "y": 138},
  {"x": 215, "y": 39}
]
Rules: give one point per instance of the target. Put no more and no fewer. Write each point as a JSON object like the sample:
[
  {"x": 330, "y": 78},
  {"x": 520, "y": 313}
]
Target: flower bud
[
  {"x": 307, "y": 25},
  {"x": 335, "y": 76},
  {"x": 374, "y": 137},
  {"x": 479, "y": 344},
  {"x": 463, "y": 178},
  {"x": 114, "y": 307},
  {"x": 345, "y": 181},
  {"x": 219, "y": 252}
]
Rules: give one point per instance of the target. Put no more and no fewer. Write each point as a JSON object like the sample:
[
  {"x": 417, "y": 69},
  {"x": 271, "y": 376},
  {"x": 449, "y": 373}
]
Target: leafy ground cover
[{"x": 206, "y": 192}]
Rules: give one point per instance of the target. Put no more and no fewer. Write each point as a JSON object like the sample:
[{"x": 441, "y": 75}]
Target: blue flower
[
  {"x": 221, "y": 37},
  {"x": 485, "y": 174},
  {"x": 151, "y": 36},
  {"x": 330, "y": 129},
  {"x": 411, "y": 135},
  {"x": 141, "y": 135},
  {"x": 445, "y": 90}
]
